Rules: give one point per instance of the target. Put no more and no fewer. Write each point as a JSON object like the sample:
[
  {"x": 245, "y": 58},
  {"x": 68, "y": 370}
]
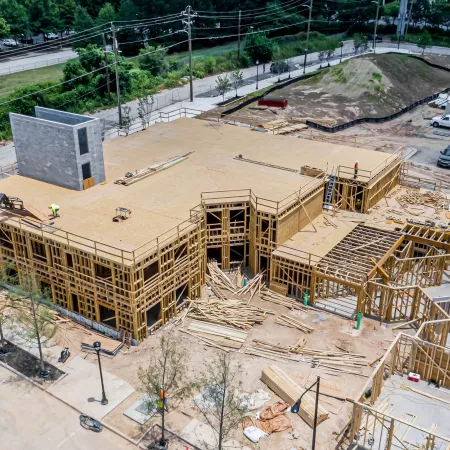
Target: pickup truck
[{"x": 441, "y": 121}]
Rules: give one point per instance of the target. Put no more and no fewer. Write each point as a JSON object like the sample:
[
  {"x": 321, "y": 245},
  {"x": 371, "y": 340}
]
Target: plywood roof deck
[
  {"x": 317, "y": 243},
  {"x": 162, "y": 201}
]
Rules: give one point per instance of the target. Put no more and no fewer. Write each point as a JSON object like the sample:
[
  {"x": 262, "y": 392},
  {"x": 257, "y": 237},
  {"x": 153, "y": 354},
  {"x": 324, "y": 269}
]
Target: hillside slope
[{"x": 367, "y": 86}]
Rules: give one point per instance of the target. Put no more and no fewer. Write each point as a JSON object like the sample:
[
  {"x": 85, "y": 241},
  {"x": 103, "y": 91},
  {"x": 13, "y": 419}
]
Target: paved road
[
  {"x": 34, "y": 60},
  {"x": 32, "y": 419}
]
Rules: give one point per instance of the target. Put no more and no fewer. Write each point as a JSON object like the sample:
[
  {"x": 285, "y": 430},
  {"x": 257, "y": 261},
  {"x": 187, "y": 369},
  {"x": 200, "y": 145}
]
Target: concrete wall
[
  {"x": 47, "y": 147},
  {"x": 63, "y": 117},
  {"x": 45, "y": 151}
]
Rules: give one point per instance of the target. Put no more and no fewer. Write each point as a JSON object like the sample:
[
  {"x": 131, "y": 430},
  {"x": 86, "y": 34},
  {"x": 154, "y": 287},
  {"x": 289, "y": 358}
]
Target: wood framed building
[{"x": 238, "y": 196}]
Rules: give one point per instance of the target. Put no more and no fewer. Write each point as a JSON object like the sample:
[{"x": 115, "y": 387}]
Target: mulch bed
[{"x": 28, "y": 365}]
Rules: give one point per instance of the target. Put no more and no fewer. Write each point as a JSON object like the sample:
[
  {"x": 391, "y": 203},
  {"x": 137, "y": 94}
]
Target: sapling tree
[
  {"x": 222, "y": 402},
  {"x": 165, "y": 381},
  {"x": 35, "y": 322},
  {"x": 237, "y": 79},
  {"x": 223, "y": 85}
]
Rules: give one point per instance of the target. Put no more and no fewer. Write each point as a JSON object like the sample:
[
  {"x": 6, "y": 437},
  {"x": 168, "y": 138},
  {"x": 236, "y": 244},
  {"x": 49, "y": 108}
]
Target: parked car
[
  {"x": 51, "y": 36},
  {"x": 441, "y": 121},
  {"x": 444, "y": 159},
  {"x": 9, "y": 43},
  {"x": 279, "y": 67}
]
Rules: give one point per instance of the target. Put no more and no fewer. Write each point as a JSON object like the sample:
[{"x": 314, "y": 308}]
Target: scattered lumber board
[
  {"x": 109, "y": 346},
  {"x": 253, "y": 286},
  {"x": 271, "y": 296},
  {"x": 293, "y": 323},
  {"x": 289, "y": 391}
]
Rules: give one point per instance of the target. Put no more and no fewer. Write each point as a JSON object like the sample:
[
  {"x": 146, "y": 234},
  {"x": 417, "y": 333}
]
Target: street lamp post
[
  {"x": 97, "y": 347},
  {"x": 342, "y": 45},
  {"x": 296, "y": 408},
  {"x": 257, "y": 73},
  {"x": 375, "y": 26}
]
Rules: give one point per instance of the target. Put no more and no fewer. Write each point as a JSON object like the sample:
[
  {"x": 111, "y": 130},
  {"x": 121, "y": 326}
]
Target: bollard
[
  {"x": 305, "y": 298},
  {"x": 358, "y": 320}
]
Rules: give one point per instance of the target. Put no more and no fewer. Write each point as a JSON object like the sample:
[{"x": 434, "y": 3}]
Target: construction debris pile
[
  {"x": 271, "y": 296},
  {"x": 415, "y": 197},
  {"x": 234, "y": 313}
]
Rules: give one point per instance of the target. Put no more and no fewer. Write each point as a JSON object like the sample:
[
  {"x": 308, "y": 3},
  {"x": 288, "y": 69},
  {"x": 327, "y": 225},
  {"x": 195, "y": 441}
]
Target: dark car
[
  {"x": 279, "y": 67},
  {"x": 444, "y": 159},
  {"x": 25, "y": 40},
  {"x": 379, "y": 38}
]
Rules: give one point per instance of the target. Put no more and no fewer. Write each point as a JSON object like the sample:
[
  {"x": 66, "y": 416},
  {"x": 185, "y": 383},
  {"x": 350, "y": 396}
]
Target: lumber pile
[
  {"x": 109, "y": 346},
  {"x": 271, "y": 296},
  {"x": 298, "y": 346},
  {"x": 253, "y": 286},
  {"x": 220, "y": 278},
  {"x": 288, "y": 321},
  {"x": 138, "y": 175},
  {"x": 233, "y": 313},
  {"x": 289, "y": 391},
  {"x": 221, "y": 335},
  {"x": 414, "y": 197},
  {"x": 274, "y": 124}
]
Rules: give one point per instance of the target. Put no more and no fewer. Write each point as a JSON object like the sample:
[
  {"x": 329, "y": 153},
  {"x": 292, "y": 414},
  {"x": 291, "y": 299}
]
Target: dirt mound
[{"x": 368, "y": 86}]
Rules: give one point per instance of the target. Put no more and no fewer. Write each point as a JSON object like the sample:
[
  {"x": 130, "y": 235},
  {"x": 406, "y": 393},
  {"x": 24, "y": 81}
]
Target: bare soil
[
  {"x": 371, "y": 340},
  {"x": 28, "y": 365},
  {"x": 367, "y": 86}
]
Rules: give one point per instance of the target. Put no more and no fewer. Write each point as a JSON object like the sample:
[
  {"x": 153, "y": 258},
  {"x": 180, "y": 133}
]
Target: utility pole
[
  {"x": 307, "y": 34},
  {"x": 409, "y": 16},
  {"x": 188, "y": 13},
  {"x": 119, "y": 106},
  {"x": 108, "y": 87},
  {"x": 375, "y": 26},
  {"x": 239, "y": 35}
]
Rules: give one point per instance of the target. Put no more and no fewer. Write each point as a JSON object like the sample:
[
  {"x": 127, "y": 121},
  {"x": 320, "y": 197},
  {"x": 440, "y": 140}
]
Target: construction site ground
[
  {"x": 367, "y": 86},
  {"x": 371, "y": 340}
]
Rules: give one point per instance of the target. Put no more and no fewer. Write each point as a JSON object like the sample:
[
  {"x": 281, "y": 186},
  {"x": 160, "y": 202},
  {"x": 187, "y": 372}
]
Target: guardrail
[{"x": 36, "y": 65}]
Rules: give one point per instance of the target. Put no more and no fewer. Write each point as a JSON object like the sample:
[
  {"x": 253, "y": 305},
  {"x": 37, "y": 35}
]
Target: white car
[
  {"x": 441, "y": 121},
  {"x": 9, "y": 43}
]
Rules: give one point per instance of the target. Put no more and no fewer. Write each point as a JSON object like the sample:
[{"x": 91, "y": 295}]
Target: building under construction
[{"x": 129, "y": 247}]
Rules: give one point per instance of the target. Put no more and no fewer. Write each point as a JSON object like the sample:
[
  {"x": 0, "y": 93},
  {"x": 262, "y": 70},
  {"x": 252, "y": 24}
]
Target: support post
[
  {"x": 191, "y": 89},
  {"x": 307, "y": 34},
  {"x": 119, "y": 106},
  {"x": 375, "y": 26}
]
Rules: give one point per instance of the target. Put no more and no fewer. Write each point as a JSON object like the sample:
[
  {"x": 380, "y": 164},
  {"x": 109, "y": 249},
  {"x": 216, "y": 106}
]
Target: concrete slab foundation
[{"x": 81, "y": 388}]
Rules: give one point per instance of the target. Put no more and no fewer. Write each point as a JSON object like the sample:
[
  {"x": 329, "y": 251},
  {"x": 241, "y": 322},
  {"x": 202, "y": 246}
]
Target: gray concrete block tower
[{"x": 59, "y": 148}]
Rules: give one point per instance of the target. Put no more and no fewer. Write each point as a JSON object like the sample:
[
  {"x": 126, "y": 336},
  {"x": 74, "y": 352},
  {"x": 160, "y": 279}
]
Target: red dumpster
[{"x": 273, "y": 102}]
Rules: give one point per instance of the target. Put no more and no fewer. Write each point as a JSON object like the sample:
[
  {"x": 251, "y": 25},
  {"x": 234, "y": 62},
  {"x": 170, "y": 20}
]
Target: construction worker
[
  {"x": 358, "y": 204},
  {"x": 55, "y": 209},
  {"x": 356, "y": 169}
]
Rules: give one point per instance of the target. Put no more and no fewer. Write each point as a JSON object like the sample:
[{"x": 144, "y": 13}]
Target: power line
[{"x": 254, "y": 9}]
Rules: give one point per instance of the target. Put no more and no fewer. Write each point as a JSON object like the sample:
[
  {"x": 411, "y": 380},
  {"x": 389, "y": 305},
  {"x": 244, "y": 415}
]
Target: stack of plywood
[
  {"x": 289, "y": 391},
  {"x": 223, "y": 336}
]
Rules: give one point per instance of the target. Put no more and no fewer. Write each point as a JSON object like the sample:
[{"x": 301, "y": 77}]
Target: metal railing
[{"x": 36, "y": 65}]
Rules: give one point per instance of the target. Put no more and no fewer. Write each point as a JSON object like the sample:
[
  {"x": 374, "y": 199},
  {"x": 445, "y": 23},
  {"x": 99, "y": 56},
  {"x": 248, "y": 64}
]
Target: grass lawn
[{"x": 20, "y": 79}]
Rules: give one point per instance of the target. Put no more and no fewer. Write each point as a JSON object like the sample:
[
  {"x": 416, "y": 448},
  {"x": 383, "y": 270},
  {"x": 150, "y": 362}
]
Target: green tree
[
  {"x": 15, "y": 15},
  {"x": 259, "y": 47},
  {"x": 106, "y": 14},
  {"x": 82, "y": 20},
  {"x": 44, "y": 17},
  {"x": 391, "y": 10},
  {"x": 145, "y": 106},
  {"x": 424, "y": 41},
  {"x": 154, "y": 60},
  {"x": 223, "y": 85},
  {"x": 4, "y": 27},
  {"x": 237, "y": 79},
  {"x": 66, "y": 13}
]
